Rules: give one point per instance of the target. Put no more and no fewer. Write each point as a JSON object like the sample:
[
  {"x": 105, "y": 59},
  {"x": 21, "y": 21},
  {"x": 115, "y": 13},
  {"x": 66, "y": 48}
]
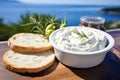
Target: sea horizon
[{"x": 11, "y": 11}]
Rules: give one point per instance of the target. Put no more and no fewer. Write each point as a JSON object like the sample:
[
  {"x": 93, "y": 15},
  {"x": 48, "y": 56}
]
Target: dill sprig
[{"x": 80, "y": 34}]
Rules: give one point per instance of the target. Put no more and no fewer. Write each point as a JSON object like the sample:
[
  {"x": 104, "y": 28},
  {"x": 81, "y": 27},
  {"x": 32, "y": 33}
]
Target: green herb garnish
[{"x": 80, "y": 34}]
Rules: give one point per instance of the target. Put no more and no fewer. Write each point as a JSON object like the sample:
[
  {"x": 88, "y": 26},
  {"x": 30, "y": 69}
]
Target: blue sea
[{"x": 11, "y": 12}]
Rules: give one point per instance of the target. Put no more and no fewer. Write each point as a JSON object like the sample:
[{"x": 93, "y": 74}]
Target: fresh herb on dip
[
  {"x": 81, "y": 34},
  {"x": 80, "y": 39}
]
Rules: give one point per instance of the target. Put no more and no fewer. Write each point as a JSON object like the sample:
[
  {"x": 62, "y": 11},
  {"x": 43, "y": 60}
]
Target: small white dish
[{"x": 79, "y": 59}]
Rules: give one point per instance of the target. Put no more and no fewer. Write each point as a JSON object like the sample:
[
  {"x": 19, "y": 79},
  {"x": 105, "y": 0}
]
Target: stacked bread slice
[{"x": 29, "y": 53}]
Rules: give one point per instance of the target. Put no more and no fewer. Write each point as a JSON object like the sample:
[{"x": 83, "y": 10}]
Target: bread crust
[
  {"x": 18, "y": 69},
  {"x": 26, "y": 49}
]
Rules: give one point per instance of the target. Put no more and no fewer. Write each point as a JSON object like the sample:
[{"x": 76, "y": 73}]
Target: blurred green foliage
[
  {"x": 111, "y": 10},
  {"x": 4, "y": 30},
  {"x": 23, "y": 25},
  {"x": 108, "y": 25}
]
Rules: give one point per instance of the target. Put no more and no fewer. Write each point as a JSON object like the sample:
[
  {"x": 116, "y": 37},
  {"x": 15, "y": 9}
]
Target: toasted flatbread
[
  {"x": 30, "y": 63},
  {"x": 29, "y": 43}
]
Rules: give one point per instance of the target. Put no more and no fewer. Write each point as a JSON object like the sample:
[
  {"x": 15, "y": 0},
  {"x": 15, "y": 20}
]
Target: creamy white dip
[{"x": 80, "y": 39}]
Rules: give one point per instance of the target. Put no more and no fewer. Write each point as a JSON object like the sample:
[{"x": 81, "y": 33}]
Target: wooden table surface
[{"x": 109, "y": 69}]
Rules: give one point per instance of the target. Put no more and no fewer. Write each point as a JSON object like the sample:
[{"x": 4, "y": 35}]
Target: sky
[{"x": 78, "y": 2}]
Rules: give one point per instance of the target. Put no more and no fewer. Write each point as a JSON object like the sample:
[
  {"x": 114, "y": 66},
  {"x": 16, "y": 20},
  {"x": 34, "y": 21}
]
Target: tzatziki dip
[{"x": 83, "y": 39}]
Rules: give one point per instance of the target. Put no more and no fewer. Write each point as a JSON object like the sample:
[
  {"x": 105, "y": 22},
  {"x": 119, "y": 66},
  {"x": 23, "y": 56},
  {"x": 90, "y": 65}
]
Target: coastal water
[{"x": 10, "y": 12}]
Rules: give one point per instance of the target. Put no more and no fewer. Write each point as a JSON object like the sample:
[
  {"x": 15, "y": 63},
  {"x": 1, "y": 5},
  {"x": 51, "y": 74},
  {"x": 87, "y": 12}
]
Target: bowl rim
[{"x": 109, "y": 37}]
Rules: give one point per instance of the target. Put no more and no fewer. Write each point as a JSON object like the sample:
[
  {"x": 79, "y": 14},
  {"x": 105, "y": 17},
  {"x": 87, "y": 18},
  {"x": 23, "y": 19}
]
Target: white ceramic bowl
[{"x": 81, "y": 59}]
